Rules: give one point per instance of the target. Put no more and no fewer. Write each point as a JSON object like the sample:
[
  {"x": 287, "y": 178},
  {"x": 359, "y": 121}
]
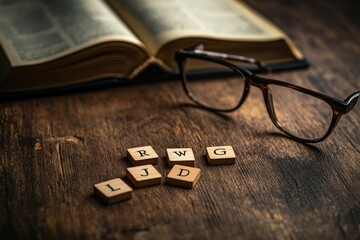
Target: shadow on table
[
  {"x": 219, "y": 114},
  {"x": 309, "y": 146}
]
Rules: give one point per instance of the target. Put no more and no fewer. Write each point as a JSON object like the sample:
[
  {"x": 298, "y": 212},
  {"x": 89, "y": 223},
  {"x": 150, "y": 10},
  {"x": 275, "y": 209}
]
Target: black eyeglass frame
[{"x": 339, "y": 107}]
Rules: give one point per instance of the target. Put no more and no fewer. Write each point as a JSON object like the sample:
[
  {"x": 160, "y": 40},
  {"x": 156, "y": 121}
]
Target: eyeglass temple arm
[
  {"x": 352, "y": 100},
  {"x": 259, "y": 64},
  {"x": 199, "y": 49}
]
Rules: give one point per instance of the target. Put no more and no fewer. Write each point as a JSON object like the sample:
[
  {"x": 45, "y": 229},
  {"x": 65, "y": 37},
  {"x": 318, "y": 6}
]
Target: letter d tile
[{"x": 183, "y": 176}]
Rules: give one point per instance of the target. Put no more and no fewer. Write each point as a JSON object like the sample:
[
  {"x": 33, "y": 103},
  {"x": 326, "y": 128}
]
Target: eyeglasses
[{"x": 302, "y": 114}]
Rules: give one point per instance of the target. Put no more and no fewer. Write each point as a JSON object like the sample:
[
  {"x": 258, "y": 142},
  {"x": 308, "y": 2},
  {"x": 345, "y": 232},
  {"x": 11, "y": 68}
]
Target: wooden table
[{"x": 53, "y": 149}]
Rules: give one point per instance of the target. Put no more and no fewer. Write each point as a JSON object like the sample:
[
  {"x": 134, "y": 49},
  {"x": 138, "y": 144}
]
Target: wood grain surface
[{"x": 53, "y": 149}]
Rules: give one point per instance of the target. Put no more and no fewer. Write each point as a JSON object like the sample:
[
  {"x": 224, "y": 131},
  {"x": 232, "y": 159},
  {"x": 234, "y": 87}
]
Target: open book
[{"x": 49, "y": 44}]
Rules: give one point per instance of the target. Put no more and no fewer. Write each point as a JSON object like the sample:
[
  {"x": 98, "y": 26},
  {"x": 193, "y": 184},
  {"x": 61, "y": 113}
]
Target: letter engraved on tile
[
  {"x": 187, "y": 172},
  {"x": 113, "y": 189},
  {"x": 143, "y": 153},
  {"x": 179, "y": 153},
  {"x": 220, "y": 151},
  {"x": 146, "y": 171}
]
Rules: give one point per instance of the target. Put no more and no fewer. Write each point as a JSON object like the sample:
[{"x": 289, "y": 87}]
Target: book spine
[
  {"x": 5, "y": 67},
  {"x": 146, "y": 64}
]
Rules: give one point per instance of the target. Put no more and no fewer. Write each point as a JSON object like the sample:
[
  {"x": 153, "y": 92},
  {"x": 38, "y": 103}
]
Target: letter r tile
[
  {"x": 113, "y": 191},
  {"x": 220, "y": 155},
  {"x": 183, "y": 176},
  {"x": 143, "y": 176},
  {"x": 142, "y": 155},
  {"x": 181, "y": 156}
]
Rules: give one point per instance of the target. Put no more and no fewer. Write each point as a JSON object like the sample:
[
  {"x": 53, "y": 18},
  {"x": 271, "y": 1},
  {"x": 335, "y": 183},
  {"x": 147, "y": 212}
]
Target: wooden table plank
[{"x": 53, "y": 149}]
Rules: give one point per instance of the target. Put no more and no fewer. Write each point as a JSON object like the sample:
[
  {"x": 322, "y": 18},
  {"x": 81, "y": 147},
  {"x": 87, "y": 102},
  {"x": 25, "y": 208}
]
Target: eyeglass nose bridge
[
  {"x": 260, "y": 83},
  {"x": 268, "y": 99}
]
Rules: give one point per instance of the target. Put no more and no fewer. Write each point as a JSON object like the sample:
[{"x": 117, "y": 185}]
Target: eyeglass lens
[
  {"x": 301, "y": 114},
  {"x": 214, "y": 92}
]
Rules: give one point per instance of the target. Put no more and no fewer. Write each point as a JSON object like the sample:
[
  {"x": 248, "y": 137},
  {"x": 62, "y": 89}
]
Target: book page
[
  {"x": 37, "y": 31},
  {"x": 158, "y": 22}
]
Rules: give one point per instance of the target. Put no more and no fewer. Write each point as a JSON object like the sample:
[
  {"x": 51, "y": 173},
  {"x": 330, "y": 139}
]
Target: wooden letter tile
[
  {"x": 143, "y": 176},
  {"x": 181, "y": 156},
  {"x": 183, "y": 176},
  {"x": 113, "y": 191},
  {"x": 142, "y": 155},
  {"x": 220, "y": 155}
]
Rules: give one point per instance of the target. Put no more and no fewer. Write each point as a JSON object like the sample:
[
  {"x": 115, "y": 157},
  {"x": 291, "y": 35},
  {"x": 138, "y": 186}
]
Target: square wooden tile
[
  {"x": 181, "y": 156},
  {"x": 220, "y": 155},
  {"x": 142, "y": 155},
  {"x": 183, "y": 176},
  {"x": 113, "y": 191},
  {"x": 143, "y": 176}
]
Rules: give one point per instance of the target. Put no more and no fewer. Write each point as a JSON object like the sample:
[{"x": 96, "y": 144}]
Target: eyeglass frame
[{"x": 339, "y": 107}]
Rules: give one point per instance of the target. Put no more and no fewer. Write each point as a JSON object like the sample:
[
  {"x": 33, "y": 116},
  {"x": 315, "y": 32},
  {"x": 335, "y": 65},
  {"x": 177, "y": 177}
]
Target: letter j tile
[{"x": 143, "y": 176}]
